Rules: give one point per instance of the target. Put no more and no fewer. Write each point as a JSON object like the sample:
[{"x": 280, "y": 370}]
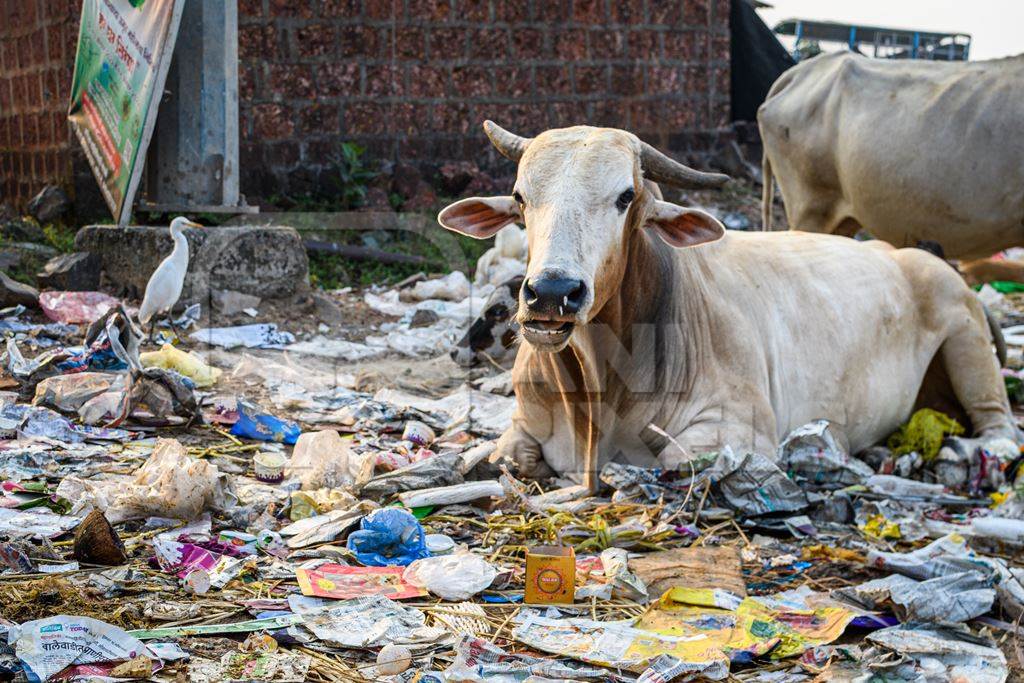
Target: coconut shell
[{"x": 96, "y": 542}]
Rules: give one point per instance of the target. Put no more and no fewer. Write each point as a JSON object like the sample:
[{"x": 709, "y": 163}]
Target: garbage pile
[{"x": 163, "y": 518}]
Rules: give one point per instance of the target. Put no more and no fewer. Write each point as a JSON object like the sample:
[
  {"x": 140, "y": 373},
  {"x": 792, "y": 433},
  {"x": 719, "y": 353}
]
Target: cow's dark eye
[
  {"x": 518, "y": 197},
  {"x": 625, "y": 199},
  {"x": 497, "y": 313}
]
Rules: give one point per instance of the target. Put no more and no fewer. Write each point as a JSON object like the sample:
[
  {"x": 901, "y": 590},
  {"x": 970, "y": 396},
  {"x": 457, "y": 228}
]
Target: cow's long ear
[
  {"x": 479, "y": 217},
  {"x": 681, "y": 227}
]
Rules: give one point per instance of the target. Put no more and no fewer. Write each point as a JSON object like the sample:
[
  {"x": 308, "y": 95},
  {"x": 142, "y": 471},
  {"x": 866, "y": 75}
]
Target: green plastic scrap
[
  {"x": 216, "y": 629},
  {"x": 923, "y": 433}
]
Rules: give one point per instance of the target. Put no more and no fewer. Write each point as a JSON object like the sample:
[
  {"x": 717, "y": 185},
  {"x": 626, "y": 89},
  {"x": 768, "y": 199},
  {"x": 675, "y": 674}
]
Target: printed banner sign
[{"x": 124, "y": 51}]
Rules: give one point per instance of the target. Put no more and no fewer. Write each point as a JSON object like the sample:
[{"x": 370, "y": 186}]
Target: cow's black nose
[{"x": 554, "y": 296}]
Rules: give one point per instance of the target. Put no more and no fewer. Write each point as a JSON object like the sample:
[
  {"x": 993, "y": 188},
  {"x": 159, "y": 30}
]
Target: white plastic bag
[
  {"x": 454, "y": 577},
  {"x": 452, "y": 287},
  {"x": 170, "y": 484},
  {"x": 323, "y": 459}
]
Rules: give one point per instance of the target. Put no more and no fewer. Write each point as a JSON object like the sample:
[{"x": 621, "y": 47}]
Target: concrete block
[
  {"x": 78, "y": 272},
  {"x": 268, "y": 262}
]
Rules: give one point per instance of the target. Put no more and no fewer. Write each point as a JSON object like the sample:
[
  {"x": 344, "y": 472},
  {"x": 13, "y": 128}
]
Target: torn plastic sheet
[
  {"x": 43, "y": 422},
  {"x": 279, "y": 666},
  {"x": 285, "y": 372},
  {"x": 255, "y": 336},
  {"x": 76, "y": 307},
  {"x": 38, "y": 522},
  {"x": 48, "y": 646},
  {"x": 892, "y": 519},
  {"x": 463, "y": 311},
  {"x": 480, "y": 661},
  {"x": 268, "y": 624},
  {"x": 36, "y": 368},
  {"x": 253, "y": 423},
  {"x": 939, "y": 654},
  {"x": 371, "y": 622},
  {"x": 185, "y": 363},
  {"x": 754, "y": 485},
  {"x": 616, "y": 644},
  {"x": 441, "y": 470},
  {"x": 326, "y": 527},
  {"x": 818, "y": 454},
  {"x": 451, "y": 287},
  {"x": 68, "y": 393},
  {"x": 323, "y": 459}
]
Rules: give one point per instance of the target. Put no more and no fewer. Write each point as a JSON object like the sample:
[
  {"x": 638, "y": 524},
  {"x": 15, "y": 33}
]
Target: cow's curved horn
[
  {"x": 509, "y": 144},
  {"x": 661, "y": 169}
]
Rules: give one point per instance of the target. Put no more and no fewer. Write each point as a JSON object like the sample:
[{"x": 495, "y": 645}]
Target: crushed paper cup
[{"x": 269, "y": 467}]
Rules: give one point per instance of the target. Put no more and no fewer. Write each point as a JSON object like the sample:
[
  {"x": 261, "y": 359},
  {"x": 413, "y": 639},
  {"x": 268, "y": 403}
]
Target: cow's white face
[{"x": 580, "y": 193}]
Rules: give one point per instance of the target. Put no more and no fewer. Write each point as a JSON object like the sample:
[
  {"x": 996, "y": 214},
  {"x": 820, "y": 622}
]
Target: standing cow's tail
[
  {"x": 997, "y": 336},
  {"x": 768, "y": 193}
]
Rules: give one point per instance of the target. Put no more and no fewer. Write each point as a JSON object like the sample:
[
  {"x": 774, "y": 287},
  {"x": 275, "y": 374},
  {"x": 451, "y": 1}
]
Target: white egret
[{"x": 164, "y": 287}]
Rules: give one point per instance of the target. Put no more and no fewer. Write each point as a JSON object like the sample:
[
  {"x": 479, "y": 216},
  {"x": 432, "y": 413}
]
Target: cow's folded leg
[
  {"x": 706, "y": 437},
  {"x": 524, "y": 451}
]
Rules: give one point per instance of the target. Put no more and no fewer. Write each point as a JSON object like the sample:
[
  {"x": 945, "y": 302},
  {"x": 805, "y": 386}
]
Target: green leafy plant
[
  {"x": 60, "y": 237},
  {"x": 352, "y": 175}
]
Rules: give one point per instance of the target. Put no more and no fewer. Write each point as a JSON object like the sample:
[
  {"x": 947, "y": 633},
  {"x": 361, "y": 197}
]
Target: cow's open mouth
[{"x": 547, "y": 332}]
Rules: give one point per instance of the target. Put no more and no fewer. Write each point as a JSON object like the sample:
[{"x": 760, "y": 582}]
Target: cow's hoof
[
  {"x": 531, "y": 465},
  {"x": 973, "y": 464}
]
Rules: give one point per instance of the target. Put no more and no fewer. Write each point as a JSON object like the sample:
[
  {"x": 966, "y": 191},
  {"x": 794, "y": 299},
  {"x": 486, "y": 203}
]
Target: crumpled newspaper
[
  {"x": 754, "y": 485},
  {"x": 943, "y": 600},
  {"x": 47, "y": 646},
  {"x": 371, "y": 622},
  {"x": 614, "y": 644}
]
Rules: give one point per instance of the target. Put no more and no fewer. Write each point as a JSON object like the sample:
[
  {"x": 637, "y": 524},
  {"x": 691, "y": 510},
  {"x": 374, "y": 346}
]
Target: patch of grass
[
  {"x": 27, "y": 268},
  {"x": 61, "y": 237},
  {"x": 332, "y": 271}
]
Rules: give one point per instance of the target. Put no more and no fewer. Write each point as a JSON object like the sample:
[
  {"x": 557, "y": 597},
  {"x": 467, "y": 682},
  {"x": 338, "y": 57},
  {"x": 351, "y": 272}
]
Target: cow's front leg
[
  {"x": 755, "y": 433},
  {"x": 524, "y": 451}
]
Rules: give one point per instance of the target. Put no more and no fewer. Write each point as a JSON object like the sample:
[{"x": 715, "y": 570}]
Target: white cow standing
[{"x": 638, "y": 311}]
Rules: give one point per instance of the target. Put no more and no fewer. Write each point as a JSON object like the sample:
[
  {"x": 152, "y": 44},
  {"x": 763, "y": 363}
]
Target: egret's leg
[
  {"x": 152, "y": 326},
  {"x": 177, "y": 332}
]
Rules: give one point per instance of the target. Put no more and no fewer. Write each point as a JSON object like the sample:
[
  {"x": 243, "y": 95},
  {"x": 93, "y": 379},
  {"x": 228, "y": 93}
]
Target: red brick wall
[
  {"x": 37, "y": 52},
  {"x": 410, "y": 79},
  {"x": 413, "y": 79}
]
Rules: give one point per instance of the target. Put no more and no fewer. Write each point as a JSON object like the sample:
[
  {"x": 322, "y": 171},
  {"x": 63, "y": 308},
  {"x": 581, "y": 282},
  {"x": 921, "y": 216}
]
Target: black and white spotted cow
[{"x": 495, "y": 331}]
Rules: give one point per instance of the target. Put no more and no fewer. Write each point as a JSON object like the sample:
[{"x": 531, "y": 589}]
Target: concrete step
[{"x": 268, "y": 262}]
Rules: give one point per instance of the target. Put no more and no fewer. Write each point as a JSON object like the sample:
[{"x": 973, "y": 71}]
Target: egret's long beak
[{"x": 193, "y": 225}]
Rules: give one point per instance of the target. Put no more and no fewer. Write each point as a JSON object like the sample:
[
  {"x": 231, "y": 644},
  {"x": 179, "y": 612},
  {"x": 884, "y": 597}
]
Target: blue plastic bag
[
  {"x": 388, "y": 536},
  {"x": 253, "y": 424}
]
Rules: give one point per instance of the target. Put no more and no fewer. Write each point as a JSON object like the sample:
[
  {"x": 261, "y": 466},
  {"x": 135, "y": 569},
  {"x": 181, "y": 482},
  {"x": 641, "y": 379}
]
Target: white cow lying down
[{"x": 638, "y": 311}]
